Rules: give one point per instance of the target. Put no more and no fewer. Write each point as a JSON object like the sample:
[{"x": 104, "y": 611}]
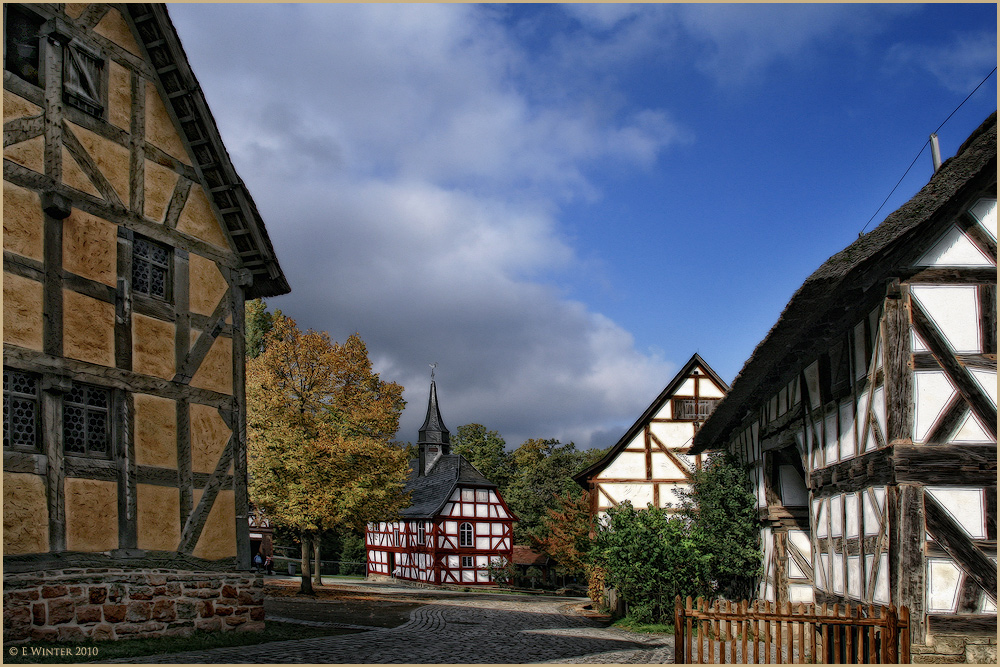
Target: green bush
[
  {"x": 649, "y": 556},
  {"x": 352, "y": 555}
]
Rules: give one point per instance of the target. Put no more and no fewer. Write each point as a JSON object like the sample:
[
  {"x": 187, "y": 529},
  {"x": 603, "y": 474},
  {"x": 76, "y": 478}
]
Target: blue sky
[{"x": 559, "y": 204}]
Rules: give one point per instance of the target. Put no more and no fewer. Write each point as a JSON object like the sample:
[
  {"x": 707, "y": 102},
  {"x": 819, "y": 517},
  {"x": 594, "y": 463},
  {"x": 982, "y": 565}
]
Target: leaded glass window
[
  {"x": 20, "y": 410},
  {"x": 465, "y": 535},
  {"x": 86, "y": 420},
  {"x": 151, "y": 268}
]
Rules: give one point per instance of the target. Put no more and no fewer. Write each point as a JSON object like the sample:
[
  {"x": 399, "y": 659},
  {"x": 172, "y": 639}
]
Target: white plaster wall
[
  {"x": 967, "y": 506},
  {"x": 627, "y": 465},
  {"x": 933, "y": 391},
  {"x": 707, "y": 389},
  {"x": 985, "y": 211},
  {"x": 955, "y": 311},
  {"x": 639, "y": 495},
  {"x": 673, "y": 434},
  {"x": 664, "y": 468},
  {"x": 943, "y": 578},
  {"x": 954, "y": 249}
]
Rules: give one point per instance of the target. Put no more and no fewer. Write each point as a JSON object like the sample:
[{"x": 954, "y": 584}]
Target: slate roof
[
  {"x": 806, "y": 324},
  {"x": 188, "y": 107},
  {"x": 654, "y": 407},
  {"x": 431, "y": 491}
]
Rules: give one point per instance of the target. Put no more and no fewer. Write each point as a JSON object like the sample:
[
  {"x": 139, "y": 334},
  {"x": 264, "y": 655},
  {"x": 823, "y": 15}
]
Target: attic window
[
  {"x": 421, "y": 533},
  {"x": 21, "y": 43},
  {"x": 83, "y": 78},
  {"x": 694, "y": 409}
]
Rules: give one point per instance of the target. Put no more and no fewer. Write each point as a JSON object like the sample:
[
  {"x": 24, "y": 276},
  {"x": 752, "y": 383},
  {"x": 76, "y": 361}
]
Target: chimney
[{"x": 935, "y": 152}]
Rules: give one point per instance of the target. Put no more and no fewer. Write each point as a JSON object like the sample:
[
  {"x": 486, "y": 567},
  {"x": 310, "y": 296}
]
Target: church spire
[{"x": 433, "y": 439}]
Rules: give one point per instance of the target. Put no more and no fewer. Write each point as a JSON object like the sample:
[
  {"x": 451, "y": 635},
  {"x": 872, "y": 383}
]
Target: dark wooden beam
[
  {"x": 196, "y": 522},
  {"x": 896, "y": 356},
  {"x": 953, "y": 465},
  {"x": 953, "y": 539},
  {"x": 959, "y": 375}
]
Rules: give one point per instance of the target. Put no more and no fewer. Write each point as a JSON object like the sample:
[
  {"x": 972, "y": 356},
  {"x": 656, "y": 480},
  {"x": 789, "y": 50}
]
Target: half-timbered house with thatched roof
[
  {"x": 868, "y": 415},
  {"x": 130, "y": 245},
  {"x": 651, "y": 463},
  {"x": 457, "y": 525}
]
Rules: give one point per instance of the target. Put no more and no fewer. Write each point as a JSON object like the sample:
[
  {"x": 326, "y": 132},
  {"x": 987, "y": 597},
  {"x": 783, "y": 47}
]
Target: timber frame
[
  {"x": 868, "y": 414},
  {"x": 146, "y": 162}
]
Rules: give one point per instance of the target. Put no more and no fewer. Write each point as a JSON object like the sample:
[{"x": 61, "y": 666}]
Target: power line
[{"x": 920, "y": 152}]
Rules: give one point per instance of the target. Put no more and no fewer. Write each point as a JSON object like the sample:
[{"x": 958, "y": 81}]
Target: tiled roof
[{"x": 431, "y": 491}]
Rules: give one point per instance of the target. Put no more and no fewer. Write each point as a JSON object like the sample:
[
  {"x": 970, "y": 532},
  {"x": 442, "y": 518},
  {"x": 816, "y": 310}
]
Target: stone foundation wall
[
  {"x": 949, "y": 649},
  {"x": 77, "y": 604}
]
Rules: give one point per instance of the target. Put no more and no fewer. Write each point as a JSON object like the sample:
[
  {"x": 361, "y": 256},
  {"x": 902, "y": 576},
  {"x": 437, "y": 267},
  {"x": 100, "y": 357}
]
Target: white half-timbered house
[
  {"x": 651, "y": 463},
  {"x": 457, "y": 523},
  {"x": 868, "y": 415}
]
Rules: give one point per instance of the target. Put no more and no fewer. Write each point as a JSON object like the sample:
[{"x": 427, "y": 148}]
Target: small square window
[
  {"x": 482, "y": 496},
  {"x": 21, "y": 43},
  {"x": 467, "y": 495},
  {"x": 86, "y": 421},
  {"x": 466, "y": 561},
  {"x": 151, "y": 268},
  {"x": 20, "y": 410}
]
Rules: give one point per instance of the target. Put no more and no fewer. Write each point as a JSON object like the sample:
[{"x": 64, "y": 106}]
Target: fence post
[
  {"x": 904, "y": 635},
  {"x": 688, "y": 630},
  {"x": 678, "y": 632},
  {"x": 892, "y": 627}
]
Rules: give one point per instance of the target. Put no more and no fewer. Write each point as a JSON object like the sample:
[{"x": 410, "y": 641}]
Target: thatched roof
[{"x": 816, "y": 312}]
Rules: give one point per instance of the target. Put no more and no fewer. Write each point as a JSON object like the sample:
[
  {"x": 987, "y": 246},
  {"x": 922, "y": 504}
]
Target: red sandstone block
[
  {"x": 44, "y": 634},
  {"x": 208, "y": 624},
  {"x": 138, "y": 611},
  {"x": 98, "y": 594},
  {"x": 71, "y": 633},
  {"x": 38, "y": 613},
  {"x": 164, "y": 610},
  {"x": 88, "y": 613},
  {"x": 229, "y": 591},
  {"x": 61, "y": 611},
  {"x": 206, "y": 609},
  {"x": 102, "y": 631},
  {"x": 174, "y": 589},
  {"x": 156, "y": 579},
  {"x": 53, "y": 591},
  {"x": 187, "y": 608},
  {"x": 20, "y": 596},
  {"x": 76, "y": 591},
  {"x": 141, "y": 593},
  {"x": 233, "y": 621},
  {"x": 115, "y": 613},
  {"x": 222, "y": 610},
  {"x": 251, "y": 597},
  {"x": 16, "y": 616},
  {"x": 159, "y": 591},
  {"x": 257, "y": 613},
  {"x": 204, "y": 593}
]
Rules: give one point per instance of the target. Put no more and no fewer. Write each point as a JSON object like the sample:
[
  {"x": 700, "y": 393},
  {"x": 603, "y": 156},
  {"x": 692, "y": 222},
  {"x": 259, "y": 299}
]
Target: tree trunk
[
  {"x": 318, "y": 577},
  {"x": 307, "y": 586}
]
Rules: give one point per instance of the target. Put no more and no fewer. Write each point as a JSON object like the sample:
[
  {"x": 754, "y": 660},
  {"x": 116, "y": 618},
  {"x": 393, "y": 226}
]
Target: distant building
[
  {"x": 652, "y": 462},
  {"x": 456, "y": 525},
  {"x": 130, "y": 246},
  {"x": 868, "y": 416}
]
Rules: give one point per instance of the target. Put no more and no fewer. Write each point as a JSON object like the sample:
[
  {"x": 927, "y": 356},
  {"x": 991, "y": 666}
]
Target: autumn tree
[
  {"x": 564, "y": 534},
  {"x": 319, "y": 425},
  {"x": 486, "y": 450}
]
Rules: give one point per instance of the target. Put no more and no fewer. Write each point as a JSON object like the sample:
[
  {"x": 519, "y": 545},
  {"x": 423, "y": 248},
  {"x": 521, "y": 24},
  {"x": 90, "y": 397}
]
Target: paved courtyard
[{"x": 457, "y": 628}]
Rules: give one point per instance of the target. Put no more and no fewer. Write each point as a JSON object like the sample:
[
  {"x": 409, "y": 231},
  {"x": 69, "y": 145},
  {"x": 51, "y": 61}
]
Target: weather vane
[{"x": 433, "y": 366}]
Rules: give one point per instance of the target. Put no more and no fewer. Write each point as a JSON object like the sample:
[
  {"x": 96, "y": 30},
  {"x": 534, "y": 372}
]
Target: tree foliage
[
  {"x": 649, "y": 556},
  {"x": 723, "y": 514},
  {"x": 486, "y": 450},
  {"x": 257, "y": 325},
  {"x": 565, "y": 532},
  {"x": 319, "y": 422}
]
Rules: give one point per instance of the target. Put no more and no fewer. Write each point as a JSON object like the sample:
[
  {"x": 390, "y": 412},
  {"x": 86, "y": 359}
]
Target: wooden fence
[{"x": 760, "y": 632}]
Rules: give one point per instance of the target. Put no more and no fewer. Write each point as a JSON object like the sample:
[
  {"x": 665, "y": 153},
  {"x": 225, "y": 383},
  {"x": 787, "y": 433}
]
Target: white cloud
[{"x": 958, "y": 64}]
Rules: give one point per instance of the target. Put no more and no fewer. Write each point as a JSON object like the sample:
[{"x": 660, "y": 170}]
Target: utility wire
[{"x": 921, "y": 151}]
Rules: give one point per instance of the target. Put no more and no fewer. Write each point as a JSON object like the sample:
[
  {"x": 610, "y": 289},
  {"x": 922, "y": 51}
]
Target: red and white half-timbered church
[{"x": 457, "y": 522}]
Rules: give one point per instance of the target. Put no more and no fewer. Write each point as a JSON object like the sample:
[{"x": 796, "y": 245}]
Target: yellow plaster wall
[
  {"x": 91, "y": 515},
  {"x": 119, "y": 96},
  {"x": 74, "y": 177},
  {"x": 88, "y": 329},
  {"x": 15, "y": 106},
  {"x": 207, "y": 285},
  {"x": 159, "y": 187},
  {"x": 22, "y": 311},
  {"x": 112, "y": 159},
  {"x": 160, "y": 130},
  {"x": 152, "y": 346},
  {"x": 90, "y": 247},
  {"x": 75, "y": 9},
  {"x": 113, "y": 27},
  {"x": 30, "y": 154},
  {"x": 25, "y": 514},
  {"x": 23, "y": 222},
  {"x": 155, "y": 431},
  {"x": 158, "y": 517},
  {"x": 209, "y": 435},
  {"x": 216, "y": 371},
  {"x": 198, "y": 219},
  {"x": 218, "y": 538}
]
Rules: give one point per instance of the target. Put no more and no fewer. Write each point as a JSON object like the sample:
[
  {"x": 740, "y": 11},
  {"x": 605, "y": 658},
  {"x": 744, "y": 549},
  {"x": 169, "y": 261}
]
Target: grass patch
[
  {"x": 632, "y": 625},
  {"x": 91, "y": 651}
]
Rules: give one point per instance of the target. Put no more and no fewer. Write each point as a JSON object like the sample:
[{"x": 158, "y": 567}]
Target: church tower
[{"x": 433, "y": 439}]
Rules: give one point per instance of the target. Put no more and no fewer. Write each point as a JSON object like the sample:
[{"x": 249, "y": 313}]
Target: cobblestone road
[{"x": 492, "y": 629}]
